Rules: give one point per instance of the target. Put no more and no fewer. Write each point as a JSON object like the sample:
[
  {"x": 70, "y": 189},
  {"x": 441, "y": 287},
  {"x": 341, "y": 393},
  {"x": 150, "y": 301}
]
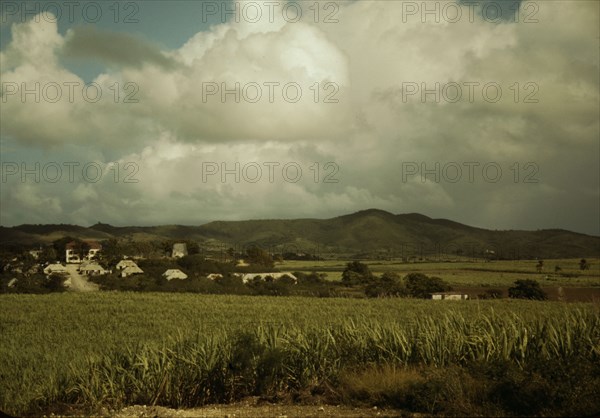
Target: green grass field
[
  {"x": 173, "y": 349},
  {"x": 470, "y": 273}
]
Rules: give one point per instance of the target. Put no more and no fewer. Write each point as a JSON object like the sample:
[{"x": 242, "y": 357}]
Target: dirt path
[
  {"x": 264, "y": 411},
  {"x": 78, "y": 282}
]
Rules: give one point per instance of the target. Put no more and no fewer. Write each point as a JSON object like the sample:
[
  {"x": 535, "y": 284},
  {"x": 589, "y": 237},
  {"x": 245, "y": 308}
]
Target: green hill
[{"x": 372, "y": 232}]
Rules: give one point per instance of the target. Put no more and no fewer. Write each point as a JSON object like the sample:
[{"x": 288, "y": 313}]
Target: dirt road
[
  {"x": 78, "y": 282},
  {"x": 265, "y": 411}
]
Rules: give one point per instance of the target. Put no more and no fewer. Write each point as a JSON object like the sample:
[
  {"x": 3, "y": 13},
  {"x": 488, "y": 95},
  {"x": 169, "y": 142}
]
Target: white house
[
  {"x": 55, "y": 268},
  {"x": 125, "y": 263},
  {"x": 92, "y": 269},
  {"x": 130, "y": 270},
  {"x": 174, "y": 274},
  {"x": 449, "y": 296}
]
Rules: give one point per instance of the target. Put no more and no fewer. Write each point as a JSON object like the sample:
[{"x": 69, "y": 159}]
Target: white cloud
[{"x": 369, "y": 54}]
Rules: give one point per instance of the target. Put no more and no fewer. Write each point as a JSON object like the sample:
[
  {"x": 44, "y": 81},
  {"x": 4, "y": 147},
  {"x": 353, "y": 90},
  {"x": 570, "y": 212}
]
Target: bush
[
  {"x": 419, "y": 285},
  {"x": 356, "y": 273},
  {"x": 33, "y": 284},
  {"x": 527, "y": 289},
  {"x": 390, "y": 284}
]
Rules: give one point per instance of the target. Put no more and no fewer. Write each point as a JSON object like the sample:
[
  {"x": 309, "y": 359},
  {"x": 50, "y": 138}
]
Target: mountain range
[{"x": 369, "y": 232}]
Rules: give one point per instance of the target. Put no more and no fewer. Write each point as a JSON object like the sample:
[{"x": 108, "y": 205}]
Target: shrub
[
  {"x": 527, "y": 289},
  {"x": 356, "y": 273},
  {"x": 389, "y": 284},
  {"x": 419, "y": 285}
]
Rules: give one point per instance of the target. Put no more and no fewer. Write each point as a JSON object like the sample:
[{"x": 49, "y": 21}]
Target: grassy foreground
[{"x": 183, "y": 350}]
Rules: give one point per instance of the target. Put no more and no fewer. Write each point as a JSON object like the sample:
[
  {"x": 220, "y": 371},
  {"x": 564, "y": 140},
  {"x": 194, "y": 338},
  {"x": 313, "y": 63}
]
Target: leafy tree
[
  {"x": 111, "y": 253},
  {"x": 527, "y": 289},
  {"x": 390, "y": 284},
  {"x": 55, "y": 283},
  {"x": 419, "y": 285},
  {"x": 199, "y": 265},
  {"x": 356, "y": 273},
  {"x": 48, "y": 255},
  {"x": 28, "y": 261},
  {"x": 311, "y": 278},
  {"x": 259, "y": 257},
  {"x": 61, "y": 244}
]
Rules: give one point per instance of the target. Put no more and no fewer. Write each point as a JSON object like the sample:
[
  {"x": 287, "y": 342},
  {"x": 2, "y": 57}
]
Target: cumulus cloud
[{"x": 375, "y": 56}]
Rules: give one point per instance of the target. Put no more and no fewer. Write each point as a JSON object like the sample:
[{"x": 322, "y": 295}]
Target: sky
[{"x": 185, "y": 112}]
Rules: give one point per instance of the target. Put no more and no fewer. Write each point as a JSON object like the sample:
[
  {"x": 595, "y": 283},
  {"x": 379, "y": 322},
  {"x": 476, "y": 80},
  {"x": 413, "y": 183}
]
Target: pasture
[{"x": 464, "y": 272}]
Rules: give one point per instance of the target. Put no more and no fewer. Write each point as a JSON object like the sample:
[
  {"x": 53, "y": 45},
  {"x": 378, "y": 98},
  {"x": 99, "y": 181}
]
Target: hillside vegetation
[{"x": 372, "y": 233}]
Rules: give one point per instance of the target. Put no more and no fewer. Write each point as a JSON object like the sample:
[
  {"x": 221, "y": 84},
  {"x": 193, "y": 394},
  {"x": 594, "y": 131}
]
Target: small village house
[
  {"x": 131, "y": 270},
  {"x": 125, "y": 263},
  {"x": 92, "y": 269},
  {"x": 174, "y": 274},
  {"x": 55, "y": 268},
  {"x": 449, "y": 296}
]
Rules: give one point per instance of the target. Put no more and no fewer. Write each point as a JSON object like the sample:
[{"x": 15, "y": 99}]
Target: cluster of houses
[
  {"x": 90, "y": 267},
  {"x": 85, "y": 257},
  {"x": 87, "y": 264}
]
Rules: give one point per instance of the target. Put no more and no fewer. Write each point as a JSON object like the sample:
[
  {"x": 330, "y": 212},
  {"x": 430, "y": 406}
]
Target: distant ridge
[{"x": 372, "y": 231}]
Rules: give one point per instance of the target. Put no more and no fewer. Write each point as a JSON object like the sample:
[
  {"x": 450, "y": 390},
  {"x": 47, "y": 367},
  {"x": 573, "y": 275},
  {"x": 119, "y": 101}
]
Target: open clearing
[{"x": 474, "y": 276}]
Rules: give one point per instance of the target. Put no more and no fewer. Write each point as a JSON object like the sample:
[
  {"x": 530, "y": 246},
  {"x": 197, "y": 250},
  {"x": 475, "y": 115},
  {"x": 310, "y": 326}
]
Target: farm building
[
  {"x": 263, "y": 276},
  {"x": 130, "y": 270},
  {"x": 174, "y": 274},
  {"x": 55, "y": 268},
  {"x": 449, "y": 296},
  {"x": 125, "y": 263},
  {"x": 92, "y": 269},
  {"x": 179, "y": 250}
]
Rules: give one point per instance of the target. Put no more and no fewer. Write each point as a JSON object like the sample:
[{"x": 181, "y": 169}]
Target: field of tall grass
[
  {"x": 465, "y": 272},
  {"x": 183, "y": 350}
]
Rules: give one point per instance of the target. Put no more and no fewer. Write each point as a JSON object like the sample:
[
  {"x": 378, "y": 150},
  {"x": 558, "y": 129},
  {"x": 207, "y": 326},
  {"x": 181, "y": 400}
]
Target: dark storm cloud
[
  {"x": 492, "y": 10},
  {"x": 117, "y": 48}
]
